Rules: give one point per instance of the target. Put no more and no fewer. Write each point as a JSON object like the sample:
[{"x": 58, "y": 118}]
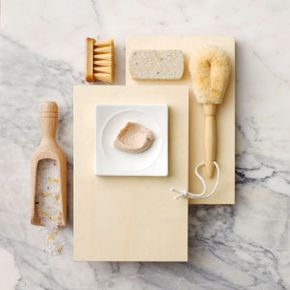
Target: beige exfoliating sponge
[
  {"x": 210, "y": 70},
  {"x": 167, "y": 64}
]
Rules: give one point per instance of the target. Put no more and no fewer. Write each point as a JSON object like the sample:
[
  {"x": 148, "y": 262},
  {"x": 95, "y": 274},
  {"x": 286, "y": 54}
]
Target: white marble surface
[{"x": 246, "y": 246}]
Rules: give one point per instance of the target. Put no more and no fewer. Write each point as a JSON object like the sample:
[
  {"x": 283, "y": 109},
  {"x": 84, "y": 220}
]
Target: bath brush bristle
[{"x": 210, "y": 71}]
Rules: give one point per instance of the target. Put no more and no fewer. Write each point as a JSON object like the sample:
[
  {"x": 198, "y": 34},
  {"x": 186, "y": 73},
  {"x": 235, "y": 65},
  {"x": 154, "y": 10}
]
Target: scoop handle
[
  {"x": 48, "y": 121},
  {"x": 210, "y": 138}
]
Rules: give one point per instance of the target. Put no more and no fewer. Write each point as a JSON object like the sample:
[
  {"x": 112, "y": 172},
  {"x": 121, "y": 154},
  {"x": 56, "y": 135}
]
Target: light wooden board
[
  {"x": 129, "y": 218},
  {"x": 225, "y": 193}
]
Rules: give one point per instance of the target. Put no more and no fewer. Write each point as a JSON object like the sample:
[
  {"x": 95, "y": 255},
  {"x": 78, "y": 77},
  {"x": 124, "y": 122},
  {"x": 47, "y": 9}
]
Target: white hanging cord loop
[{"x": 185, "y": 193}]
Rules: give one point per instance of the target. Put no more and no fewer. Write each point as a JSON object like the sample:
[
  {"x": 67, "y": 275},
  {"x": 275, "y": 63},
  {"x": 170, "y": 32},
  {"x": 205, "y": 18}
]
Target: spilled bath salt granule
[{"x": 49, "y": 204}]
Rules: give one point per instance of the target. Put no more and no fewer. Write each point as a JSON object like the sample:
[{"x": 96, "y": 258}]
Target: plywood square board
[
  {"x": 129, "y": 218},
  {"x": 225, "y": 193}
]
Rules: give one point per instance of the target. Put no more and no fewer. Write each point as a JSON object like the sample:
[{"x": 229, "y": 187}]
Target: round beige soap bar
[{"x": 156, "y": 64}]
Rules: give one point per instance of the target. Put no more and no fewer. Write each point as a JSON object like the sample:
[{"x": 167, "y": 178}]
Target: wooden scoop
[{"x": 49, "y": 149}]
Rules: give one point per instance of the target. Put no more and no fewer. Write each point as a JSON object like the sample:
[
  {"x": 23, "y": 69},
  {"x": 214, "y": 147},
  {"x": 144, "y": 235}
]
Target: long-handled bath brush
[
  {"x": 99, "y": 60},
  {"x": 210, "y": 71}
]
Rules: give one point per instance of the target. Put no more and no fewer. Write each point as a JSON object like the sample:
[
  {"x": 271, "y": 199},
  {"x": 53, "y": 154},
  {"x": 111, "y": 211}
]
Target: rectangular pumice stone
[{"x": 156, "y": 64}]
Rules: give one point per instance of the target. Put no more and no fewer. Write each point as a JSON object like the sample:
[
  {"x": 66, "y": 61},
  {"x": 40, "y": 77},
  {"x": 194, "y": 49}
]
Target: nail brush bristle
[{"x": 99, "y": 60}]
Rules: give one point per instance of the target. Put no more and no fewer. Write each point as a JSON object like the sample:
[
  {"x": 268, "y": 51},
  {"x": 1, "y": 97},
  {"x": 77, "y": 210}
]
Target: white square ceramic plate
[{"x": 110, "y": 119}]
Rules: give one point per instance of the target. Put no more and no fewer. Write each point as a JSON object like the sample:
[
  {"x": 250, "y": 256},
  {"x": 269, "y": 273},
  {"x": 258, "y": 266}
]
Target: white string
[{"x": 185, "y": 193}]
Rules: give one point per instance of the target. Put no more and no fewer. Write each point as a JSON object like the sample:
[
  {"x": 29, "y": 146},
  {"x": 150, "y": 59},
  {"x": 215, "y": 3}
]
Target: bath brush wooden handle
[{"x": 210, "y": 138}]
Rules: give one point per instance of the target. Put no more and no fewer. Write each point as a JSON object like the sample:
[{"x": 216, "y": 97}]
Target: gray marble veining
[{"x": 246, "y": 246}]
